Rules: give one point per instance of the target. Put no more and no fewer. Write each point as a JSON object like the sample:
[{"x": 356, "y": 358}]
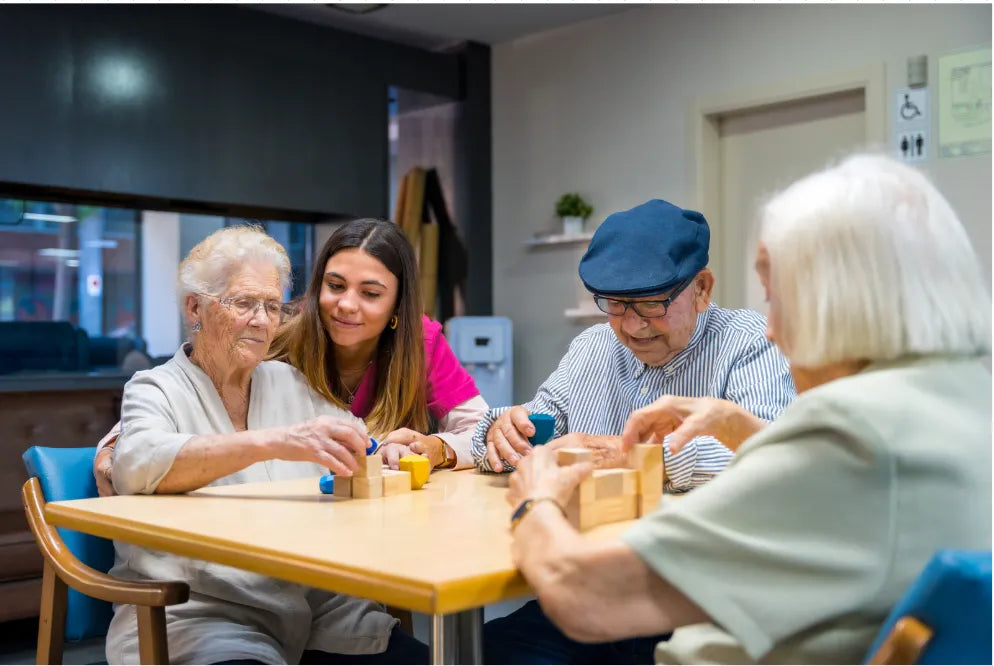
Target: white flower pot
[{"x": 572, "y": 225}]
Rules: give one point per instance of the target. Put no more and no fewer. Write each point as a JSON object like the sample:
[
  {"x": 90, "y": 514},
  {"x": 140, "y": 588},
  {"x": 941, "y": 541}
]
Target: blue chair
[
  {"x": 944, "y": 618},
  {"x": 81, "y": 561}
]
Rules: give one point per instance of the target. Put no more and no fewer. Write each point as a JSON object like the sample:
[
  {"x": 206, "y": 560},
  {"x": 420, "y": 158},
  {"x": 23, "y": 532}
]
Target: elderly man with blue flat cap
[{"x": 647, "y": 270}]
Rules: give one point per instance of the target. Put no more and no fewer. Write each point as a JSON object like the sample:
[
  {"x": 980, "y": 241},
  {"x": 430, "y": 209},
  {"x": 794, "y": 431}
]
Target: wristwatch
[
  {"x": 529, "y": 504},
  {"x": 449, "y": 461}
]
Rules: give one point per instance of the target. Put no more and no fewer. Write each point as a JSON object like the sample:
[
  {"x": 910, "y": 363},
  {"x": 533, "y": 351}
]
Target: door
[{"x": 762, "y": 149}]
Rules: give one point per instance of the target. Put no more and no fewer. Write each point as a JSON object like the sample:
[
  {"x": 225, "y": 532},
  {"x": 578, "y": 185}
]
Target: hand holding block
[
  {"x": 545, "y": 426},
  {"x": 396, "y": 482},
  {"x": 571, "y": 456},
  {"x": 419, "y": 469}
]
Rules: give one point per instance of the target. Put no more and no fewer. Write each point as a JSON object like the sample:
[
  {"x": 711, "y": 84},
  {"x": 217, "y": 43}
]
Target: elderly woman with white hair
[
  {"x": 797, "y": 552},
  {"x": 218, "y": 414}
]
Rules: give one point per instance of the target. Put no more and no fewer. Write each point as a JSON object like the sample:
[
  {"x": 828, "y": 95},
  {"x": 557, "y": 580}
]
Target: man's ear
[{"x": 703, "y": 285}]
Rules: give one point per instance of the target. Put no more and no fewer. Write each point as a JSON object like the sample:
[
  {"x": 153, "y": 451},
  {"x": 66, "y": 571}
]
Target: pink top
[{"x": 447, "y": 382}]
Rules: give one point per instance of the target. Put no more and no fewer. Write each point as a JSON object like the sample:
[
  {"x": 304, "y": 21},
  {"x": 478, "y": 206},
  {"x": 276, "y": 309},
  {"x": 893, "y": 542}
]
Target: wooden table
[{"x": 443, "y": 550}]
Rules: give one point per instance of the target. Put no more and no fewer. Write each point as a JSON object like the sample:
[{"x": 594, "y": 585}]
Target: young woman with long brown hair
[{"x": 362, "y": 343}]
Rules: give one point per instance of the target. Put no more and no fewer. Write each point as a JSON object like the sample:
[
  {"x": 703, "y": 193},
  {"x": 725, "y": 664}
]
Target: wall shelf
[{"x": 558, "y": 239}]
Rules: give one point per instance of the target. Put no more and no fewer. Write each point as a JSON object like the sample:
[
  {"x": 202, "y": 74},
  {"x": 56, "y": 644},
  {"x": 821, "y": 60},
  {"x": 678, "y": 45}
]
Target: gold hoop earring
[{"x": 393, "y": 322}]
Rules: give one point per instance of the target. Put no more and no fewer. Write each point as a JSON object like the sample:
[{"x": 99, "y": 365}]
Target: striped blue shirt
[{"x": 599, "y": 382}]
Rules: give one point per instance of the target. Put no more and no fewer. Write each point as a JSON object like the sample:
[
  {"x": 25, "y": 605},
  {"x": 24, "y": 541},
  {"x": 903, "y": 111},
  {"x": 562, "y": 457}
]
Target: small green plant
[{"x": 572, "y": 204}]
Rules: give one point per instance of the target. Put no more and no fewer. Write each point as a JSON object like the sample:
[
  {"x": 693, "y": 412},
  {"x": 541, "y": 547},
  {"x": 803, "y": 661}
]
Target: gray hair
[
  {"x": 869, "y": 261},
  {"x": 210, "y": 264}
]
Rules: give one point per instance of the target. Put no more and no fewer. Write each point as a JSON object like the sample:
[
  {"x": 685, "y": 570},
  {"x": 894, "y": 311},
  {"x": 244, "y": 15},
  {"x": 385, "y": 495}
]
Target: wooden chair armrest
[
  {"x": 904, "y": 644},
  {"x": 87, "y": 580}
]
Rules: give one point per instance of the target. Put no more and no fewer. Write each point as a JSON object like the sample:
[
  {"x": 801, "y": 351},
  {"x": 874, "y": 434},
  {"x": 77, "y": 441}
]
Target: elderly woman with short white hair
[
  {"x": 218, "y": 414},
  {"x": 797, "y": 552}
]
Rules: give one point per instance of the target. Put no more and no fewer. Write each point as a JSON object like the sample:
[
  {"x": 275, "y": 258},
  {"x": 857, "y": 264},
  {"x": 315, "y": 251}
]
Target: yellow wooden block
[
  {"x": 418, "y": 467},
  {"x": 367, "y": 487},
  {"x": 396, "y": 482},
  {"x": 369, "y": 466},
  {"x": 574, "y": 455},
  {"x": 343, "y": 486}
]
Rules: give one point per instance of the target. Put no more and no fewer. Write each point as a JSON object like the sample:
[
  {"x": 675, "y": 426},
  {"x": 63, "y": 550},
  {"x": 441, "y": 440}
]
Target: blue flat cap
[{"x": 645, "y": 251}]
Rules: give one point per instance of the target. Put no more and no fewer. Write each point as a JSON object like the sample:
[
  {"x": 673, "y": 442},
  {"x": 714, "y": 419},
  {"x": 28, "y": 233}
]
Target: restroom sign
[
  {"x": 911, "y": 108},
  {"x": 912, "y": 146},
  {"x": 94, "y": 285}
]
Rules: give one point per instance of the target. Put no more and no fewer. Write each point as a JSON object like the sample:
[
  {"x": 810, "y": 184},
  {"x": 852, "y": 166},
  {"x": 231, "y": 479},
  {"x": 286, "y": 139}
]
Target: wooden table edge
[{"x": 408, "y": 593}]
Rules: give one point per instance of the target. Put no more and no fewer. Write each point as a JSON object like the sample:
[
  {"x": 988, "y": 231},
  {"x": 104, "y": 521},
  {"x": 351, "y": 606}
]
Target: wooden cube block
[
  {"x": 613, "y": 482},
  {"x": 369, "y": 466},
  {"x": 613, "y": 509},
  {"x": 367, "y": 487},
  {"x": 396, "y": 482},
  {"x": 343, "y": 486},
  {"x": 647, "y": 459},
  {"x": 575, "y": 455},
  {"x": 418, "y": 467}
]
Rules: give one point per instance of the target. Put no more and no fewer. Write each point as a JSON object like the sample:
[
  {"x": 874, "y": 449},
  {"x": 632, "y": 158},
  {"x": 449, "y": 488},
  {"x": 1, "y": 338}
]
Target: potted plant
[{"x": 573, "y": 210}]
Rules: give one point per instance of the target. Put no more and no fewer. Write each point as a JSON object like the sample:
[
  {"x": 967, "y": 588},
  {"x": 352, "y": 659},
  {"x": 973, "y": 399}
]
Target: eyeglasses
[
  {"x": 246, "y": 307},
  {"x": 645, "y": 309}
]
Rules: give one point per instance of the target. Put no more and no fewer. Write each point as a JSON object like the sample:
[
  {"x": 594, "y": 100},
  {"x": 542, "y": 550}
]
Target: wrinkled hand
[
  {"x": 429, "y": 446},
  {"x": 102, "y": 469},
  {"x": 508, "y": 436},
  {"x": 392, "y": 453},
  {"x": 683, "y": 419},
  {"x": 326, "y": 440},
  {"x": 538, "y": 475},
  {"x": 606, "y": 448}
]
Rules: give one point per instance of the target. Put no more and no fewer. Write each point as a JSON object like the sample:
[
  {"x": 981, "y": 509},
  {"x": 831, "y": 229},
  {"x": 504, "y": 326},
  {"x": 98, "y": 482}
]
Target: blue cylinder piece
[
  {"x": 545, "y": 426},
  {"x": 327, "y": 484},
  {"x": 372, "y": 447}
]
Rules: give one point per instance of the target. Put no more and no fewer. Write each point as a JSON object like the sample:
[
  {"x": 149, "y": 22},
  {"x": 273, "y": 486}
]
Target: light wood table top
[{"x": 442, "y": 549}]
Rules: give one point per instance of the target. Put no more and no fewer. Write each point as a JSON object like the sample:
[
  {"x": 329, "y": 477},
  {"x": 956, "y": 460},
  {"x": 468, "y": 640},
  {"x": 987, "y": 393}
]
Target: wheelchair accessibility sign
[{"x": 912, "y": 108}]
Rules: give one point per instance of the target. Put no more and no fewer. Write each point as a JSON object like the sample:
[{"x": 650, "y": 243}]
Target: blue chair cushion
[
  {"x": 67, "y": 474},
  {"x": 952, "y": 596}
]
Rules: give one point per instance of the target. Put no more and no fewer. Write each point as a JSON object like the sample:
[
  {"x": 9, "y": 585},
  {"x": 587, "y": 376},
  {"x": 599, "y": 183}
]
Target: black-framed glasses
[
  {"x": 645, "y": 309},
  {"x": 246, "y": 307}
]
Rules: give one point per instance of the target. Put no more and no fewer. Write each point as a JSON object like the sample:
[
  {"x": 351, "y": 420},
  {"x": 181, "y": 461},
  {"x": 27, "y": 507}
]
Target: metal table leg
[{"x": 457, "y": 638}]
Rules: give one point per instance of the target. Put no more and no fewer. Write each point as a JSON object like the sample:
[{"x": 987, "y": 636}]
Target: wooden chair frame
[{"x": 64, "y": 570}]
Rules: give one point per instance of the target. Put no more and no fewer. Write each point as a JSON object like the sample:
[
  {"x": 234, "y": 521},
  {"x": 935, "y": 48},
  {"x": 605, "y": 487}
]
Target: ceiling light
[
  {"x": 44, "y": 217},
  {"x": 59, "y": 252},
  {"x": 72, "y": 263},
  {"x": 101, "y": 242}
]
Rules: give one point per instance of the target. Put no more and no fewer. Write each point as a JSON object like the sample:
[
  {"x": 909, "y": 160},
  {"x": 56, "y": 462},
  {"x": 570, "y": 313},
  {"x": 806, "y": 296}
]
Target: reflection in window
[{"x": 81, "y": 265}]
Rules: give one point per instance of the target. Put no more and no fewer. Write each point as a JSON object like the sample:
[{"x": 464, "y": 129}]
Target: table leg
[{"x": 457, "y": 638}]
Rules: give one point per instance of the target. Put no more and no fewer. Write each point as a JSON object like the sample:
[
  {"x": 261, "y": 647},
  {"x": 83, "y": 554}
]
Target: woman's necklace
[{"x": 348, "y": 400}]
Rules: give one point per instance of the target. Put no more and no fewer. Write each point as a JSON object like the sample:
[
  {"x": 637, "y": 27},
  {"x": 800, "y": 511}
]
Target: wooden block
[
  {"x": 613, "y": 482},
  {"x": 418, "y": 467},
  {"x": 613, "y": 509},
  {"x": 343, "y": 486},
  {"x": 396, "y": 482},
  {"x": 575, "y": 455},
  {"x": 647, "y": 505},
  {"x": 647, "y": 459},
  {"x": 369, "y": 466},
  {"x": 367, "y": 487}
]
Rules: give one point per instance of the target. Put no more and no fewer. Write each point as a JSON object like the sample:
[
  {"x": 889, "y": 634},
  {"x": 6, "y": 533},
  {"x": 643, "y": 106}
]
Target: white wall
[
  {"x": 600, "y": 107},
  {"x": 160, "y": 258}
]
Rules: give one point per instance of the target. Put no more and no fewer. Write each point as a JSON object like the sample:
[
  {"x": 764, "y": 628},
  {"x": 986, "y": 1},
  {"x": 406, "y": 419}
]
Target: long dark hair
[{"x": 400, "y": 400}]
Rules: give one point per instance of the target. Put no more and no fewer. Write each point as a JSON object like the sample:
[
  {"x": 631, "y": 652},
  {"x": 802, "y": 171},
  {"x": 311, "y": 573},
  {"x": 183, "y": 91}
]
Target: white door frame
[{"x": 704, "y": 161}]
